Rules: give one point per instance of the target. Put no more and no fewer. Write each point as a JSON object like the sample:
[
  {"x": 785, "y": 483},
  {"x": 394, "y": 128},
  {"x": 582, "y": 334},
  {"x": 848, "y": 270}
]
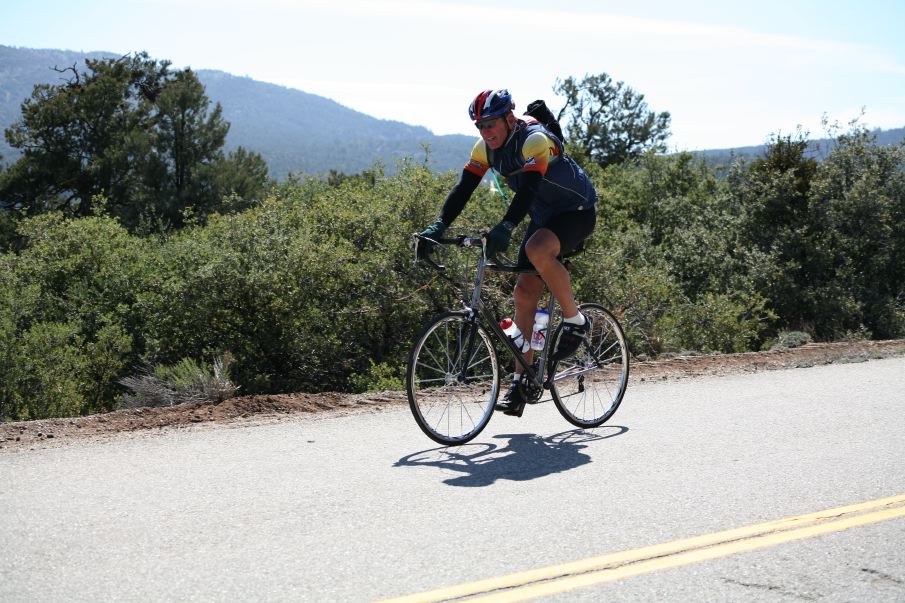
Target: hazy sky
[{"x": 730, "y": 75}]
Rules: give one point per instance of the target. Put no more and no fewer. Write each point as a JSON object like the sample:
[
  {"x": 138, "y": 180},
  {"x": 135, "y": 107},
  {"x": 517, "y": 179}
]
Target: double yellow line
[{"x": 607, "y": 568}]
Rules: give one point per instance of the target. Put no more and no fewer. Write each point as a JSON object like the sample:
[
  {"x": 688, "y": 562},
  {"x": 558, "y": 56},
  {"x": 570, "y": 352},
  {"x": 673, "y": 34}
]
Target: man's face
[{"x": 494, "y": 132}]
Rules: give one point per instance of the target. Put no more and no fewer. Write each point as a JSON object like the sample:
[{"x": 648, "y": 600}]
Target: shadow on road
[{"x": 525, "y": 457}]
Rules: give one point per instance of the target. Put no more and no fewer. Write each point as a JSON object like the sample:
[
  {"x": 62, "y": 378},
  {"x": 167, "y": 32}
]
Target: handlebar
[
  {"x": 464, "y": 241},
  {"x": 460, "y": 240}
]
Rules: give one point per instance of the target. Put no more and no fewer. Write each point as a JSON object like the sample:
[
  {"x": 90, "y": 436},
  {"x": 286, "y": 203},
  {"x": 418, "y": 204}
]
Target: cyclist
[{"x": 560, "y": 199}]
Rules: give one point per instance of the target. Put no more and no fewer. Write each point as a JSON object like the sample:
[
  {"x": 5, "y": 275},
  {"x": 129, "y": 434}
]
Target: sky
[{"x": 730, "y": 74}]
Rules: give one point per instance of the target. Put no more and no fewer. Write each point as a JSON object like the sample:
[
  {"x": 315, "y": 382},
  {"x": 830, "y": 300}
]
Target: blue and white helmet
[{"x": 489, "y": 104}]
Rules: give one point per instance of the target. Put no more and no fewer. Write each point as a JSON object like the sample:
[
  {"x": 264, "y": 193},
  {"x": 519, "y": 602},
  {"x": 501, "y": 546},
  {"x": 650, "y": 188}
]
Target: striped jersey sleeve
[
  {"x": 537, "y": 152},
  {"x": 478, "y": 163}
]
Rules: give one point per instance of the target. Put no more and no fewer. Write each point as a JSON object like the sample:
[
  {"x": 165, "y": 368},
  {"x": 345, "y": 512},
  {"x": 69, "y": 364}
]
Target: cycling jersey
[{"x": 531, "y": 148}]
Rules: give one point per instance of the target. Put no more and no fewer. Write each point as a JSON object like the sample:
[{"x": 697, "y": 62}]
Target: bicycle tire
[
  {"x": 588, "y": 387},
  {"x": 448, "y": 411}
]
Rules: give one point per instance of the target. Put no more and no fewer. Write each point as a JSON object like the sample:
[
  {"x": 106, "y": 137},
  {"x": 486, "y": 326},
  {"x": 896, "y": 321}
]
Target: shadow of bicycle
[{"x": 525, "y": 457}]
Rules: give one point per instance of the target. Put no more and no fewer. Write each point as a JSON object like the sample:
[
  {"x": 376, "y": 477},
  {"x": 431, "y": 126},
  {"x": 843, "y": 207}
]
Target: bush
[
  {"x": 715, "y": 323},
  {"x": 306, "y": 291},
  {"x": 314, "y": 288},
  {"x": 48, "y": 381},
  {"x": 378, "y": 378},
  {"x": 67, "y": 316},
  {"x": 790, "y": 339}
]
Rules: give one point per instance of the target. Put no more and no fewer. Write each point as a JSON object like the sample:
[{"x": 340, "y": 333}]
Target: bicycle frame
[
  {"x": 477, "y": 311},
  {"x": 536, "y": 376}
]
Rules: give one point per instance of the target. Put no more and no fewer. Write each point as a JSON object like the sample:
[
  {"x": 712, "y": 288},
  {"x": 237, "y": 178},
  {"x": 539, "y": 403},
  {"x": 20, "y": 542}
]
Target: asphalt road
[{"x": 363, "y": 507}]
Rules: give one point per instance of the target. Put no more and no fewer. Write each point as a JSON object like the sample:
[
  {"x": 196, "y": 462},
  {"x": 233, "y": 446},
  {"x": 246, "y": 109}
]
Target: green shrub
[
  {"x": 715, "y": 323},
  {"x": 306, "y": 290},
  {"x": 378, "y": 378},
  {"x": 49, "y": 377},
  {"x": 620, "y": 271},
  {"x": 314, "y": 289},
  {"x": 67, "y": 315}
]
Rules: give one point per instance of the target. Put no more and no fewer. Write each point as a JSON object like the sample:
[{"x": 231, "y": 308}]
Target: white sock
[{"x": 578, "y": 319}]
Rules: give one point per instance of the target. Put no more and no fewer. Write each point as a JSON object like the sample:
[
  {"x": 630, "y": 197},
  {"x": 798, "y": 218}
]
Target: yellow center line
[{"x": 616, "y": 566}]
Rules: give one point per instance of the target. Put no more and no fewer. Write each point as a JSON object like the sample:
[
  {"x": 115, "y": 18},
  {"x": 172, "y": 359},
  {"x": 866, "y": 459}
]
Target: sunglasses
[{"x": 486, "y": 125}]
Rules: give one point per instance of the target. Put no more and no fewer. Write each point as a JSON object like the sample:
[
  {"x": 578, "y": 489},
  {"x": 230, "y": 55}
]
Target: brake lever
[{"x": 426, "y": 257}]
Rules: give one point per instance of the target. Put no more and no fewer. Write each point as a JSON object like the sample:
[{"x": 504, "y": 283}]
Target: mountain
[
  {"x": 298, "y": 131},
  {"x": 293, "y": 130},
  {"x": 818, "y": 148}
]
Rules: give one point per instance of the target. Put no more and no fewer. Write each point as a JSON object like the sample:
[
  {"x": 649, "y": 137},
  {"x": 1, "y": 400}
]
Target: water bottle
[
  {"x": 513, "y": 332},
  {"x": 539, "y": 333}
]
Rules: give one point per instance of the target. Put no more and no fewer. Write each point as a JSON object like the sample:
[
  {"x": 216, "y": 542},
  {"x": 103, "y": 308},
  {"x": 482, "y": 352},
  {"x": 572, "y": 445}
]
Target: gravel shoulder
[{"x": 256, "y": 409}]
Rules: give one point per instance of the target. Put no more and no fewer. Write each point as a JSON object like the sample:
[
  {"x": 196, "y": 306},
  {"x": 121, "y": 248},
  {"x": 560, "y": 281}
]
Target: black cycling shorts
[{"x": 571, "y": 228}]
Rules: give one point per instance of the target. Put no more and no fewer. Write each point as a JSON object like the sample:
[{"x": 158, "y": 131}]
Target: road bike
[{"x": 453, "y": 374}]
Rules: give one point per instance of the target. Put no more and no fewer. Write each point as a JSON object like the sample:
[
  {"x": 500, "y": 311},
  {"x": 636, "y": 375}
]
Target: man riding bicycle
[{"x": 560, "y": 199}]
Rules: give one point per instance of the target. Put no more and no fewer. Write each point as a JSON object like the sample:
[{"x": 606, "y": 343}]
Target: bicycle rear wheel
[
  {"x": 588, "y": 387},
  {"x": 452, "y": 405}
]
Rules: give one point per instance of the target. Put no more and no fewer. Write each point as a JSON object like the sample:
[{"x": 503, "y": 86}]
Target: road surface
[{"x": 364, "y": 507}]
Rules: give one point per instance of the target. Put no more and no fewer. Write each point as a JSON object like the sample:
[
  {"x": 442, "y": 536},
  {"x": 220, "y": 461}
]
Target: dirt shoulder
[{"x": 269, "y": 408}]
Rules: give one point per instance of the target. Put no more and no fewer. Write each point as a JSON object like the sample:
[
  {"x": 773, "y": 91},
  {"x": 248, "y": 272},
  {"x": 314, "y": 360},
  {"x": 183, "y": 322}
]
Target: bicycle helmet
[{"x": 489, "y": 104}]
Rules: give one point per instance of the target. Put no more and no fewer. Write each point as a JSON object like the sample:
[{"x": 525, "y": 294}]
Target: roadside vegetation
[{"x": 127, "y": 281}]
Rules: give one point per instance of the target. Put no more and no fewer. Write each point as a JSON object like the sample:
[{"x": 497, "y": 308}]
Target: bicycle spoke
[
  {"x": 452, "y": 391},
  {"x": 477, "y": 378},
  {"x": 449, "y": 361},
  {"x": 477, "y": 362},
  {"x": 431, "y": 368},
  {"x": 615, "y": 344},
  {"x": 588, "y": 387},
  {"x": 443, "y": 413},
  {"x": 437, "y": 362}
]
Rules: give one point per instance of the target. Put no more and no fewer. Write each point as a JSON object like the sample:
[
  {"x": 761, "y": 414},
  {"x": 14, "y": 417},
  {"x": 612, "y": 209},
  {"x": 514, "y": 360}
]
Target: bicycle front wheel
[
  {"x": 588, "y": 387},
  {"x": 453, "y": 379}
]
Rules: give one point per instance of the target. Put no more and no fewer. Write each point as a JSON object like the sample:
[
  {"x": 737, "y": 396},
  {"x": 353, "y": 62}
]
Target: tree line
[
  {"x": 127, "y": 254},
  {"x": 130, "y": 135}
]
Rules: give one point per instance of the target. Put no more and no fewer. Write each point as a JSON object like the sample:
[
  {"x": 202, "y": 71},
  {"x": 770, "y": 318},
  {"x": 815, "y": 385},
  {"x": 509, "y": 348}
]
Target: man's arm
[
  {"x": 537, "y": 153},
  {"x": 524, "y": 198},
  {"x": 459, "y": 195}
]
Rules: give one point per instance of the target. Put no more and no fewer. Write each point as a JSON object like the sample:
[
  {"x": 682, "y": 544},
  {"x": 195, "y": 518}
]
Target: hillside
[
  {"x": 294, "y": 131},
  {"x": 297, "y": 131},
  {"x": 817, "y": 148}
]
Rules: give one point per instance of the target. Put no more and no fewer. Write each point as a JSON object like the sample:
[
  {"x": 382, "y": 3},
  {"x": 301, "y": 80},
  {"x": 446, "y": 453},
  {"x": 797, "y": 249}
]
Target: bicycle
[{"x": 453, "y": 375}]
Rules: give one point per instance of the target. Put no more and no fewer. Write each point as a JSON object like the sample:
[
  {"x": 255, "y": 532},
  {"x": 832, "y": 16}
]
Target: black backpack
[{"x": 539, "y": 111}]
